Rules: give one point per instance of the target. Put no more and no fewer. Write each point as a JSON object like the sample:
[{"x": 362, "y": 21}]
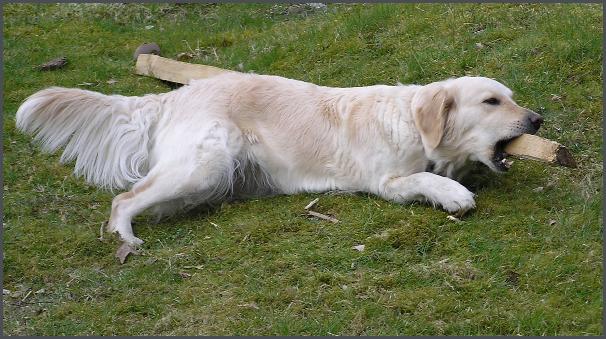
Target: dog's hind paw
[
  {"x": 110, "y": 227},
  {"x": 131, "y": 240}
]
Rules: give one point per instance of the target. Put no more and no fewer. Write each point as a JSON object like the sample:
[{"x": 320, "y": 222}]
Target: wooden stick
[
  {"x": 532, "y": 147},
  {"x": 172, "y": 70},
  {"x": 322, "y": 216},
  {"x": 312, "y": 203}
]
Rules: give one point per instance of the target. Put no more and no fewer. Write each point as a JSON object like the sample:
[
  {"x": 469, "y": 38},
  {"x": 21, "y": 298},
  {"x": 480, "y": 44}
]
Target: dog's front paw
[{"x": 458, "y": 201}]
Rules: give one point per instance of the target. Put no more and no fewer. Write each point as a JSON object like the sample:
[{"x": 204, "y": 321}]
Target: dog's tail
[{"x": 107, "y": 135}]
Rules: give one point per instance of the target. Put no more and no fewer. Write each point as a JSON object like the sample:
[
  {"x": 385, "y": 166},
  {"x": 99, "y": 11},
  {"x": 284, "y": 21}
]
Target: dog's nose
[{"x": 535, "y": 120}]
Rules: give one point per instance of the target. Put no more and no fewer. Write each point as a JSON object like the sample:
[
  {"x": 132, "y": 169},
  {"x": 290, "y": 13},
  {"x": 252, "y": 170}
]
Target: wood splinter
[
  {"x": 174, "y": 71},
  {"x": 323, "y": 216}
]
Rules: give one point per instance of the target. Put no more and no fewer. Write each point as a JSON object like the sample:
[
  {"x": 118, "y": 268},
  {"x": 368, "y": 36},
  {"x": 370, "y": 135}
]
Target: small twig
[
  {"x": 341, "y": 192},
  {"x": 188, "y": 46},
  {"x": 27, "y": 295},
  {"x": 312, "y": 203},
  {"x": 250, "y": 305},
  {"x": 19, "y": 303},
  {"x": 101, "y": 230},
  {"x": 322, "y": 216}
]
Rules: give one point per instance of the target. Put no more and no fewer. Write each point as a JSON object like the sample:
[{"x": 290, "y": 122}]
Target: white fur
[
  {"x": 238, "y": 135},
  {"x": 107, "y": 135}
]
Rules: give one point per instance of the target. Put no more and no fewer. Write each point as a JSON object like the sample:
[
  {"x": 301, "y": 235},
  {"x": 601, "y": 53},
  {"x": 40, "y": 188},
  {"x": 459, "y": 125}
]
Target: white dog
[{"x": 238, "y": 135}]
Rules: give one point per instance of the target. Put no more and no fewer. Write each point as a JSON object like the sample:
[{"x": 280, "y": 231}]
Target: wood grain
[
  {"x": 172, "y": 70},
  {"x": 532, "y": 147}
]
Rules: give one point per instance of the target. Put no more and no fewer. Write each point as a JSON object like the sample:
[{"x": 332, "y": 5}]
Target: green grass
[{"x": 527, "y": 261}]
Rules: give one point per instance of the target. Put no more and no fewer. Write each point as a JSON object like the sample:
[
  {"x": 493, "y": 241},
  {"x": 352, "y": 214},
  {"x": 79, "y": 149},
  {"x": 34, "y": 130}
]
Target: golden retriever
[{"x": 236, "y": 135}]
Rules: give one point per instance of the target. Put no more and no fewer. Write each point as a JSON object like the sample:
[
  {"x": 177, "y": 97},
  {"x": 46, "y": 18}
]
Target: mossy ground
[{"x": 527, "y": 261}]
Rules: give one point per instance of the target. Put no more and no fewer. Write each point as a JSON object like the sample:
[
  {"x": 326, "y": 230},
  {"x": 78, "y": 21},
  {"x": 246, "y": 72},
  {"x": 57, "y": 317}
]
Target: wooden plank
[
  {"x": 175, "y": 71},
  {"x": 532, "y": 147}
]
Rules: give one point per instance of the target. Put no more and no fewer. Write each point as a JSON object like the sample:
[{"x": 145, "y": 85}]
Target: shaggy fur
[{"x": 238, "y": 135}]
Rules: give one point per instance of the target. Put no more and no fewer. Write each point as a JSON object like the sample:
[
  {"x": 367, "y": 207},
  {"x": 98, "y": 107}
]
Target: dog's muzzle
[
  {"x": 535, "y": 120},
  {"x": 532, "y": 125}
]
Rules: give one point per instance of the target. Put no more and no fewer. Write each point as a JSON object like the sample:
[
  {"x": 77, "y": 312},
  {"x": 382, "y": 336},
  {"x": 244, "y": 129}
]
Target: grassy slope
[{"x": 525, "y": 262}]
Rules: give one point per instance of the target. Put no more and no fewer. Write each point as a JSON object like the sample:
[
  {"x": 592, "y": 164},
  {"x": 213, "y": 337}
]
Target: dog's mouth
[{"x": 499, "y": 157}]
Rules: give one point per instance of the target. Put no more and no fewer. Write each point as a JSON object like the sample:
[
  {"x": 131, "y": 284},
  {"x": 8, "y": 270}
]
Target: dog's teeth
[{"x": 506, "y": 163}]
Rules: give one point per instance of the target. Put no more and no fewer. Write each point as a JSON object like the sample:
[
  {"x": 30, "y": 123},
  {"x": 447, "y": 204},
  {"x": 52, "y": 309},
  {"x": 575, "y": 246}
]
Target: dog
[{"x": 240, "y": 135}]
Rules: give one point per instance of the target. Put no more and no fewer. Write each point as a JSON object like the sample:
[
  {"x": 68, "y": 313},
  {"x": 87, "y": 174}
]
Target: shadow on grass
[{"x": 481, "y": 178}]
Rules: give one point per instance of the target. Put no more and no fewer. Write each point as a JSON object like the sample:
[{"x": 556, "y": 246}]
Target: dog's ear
[{"x": 430, "y": 107}]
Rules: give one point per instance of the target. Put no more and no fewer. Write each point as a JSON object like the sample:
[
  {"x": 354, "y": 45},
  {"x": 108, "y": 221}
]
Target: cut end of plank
[
  {"x": 564, "y": 157},
  {"x": 528, "y": 146}
]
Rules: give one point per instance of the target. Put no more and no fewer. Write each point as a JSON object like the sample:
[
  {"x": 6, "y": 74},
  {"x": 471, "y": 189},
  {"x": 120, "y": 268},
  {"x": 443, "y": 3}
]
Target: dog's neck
[
  {"x": 393, "y": 113},
  {"x": 448, "y": 162},
  {"x": 442, "y": 160}
]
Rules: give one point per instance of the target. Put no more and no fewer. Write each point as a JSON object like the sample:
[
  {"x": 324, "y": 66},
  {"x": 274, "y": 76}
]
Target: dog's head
[{"x": 470, "y": 118}]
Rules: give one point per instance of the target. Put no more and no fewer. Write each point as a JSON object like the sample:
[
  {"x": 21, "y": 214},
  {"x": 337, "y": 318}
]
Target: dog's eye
[{"x": 492, "y": 101}]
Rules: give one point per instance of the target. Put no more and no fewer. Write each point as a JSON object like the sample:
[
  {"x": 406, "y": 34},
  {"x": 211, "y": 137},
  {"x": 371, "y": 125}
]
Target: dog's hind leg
[
  {"x": 203, "y": 169},
  {"x": 208, "y": 180}
]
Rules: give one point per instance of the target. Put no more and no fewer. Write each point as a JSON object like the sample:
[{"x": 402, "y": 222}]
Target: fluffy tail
[{"x": 108, "y": 136}]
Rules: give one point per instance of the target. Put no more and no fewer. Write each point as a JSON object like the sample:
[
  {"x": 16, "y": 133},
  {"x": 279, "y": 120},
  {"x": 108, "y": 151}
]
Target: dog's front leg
[{"x": 425, "y": 186}]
